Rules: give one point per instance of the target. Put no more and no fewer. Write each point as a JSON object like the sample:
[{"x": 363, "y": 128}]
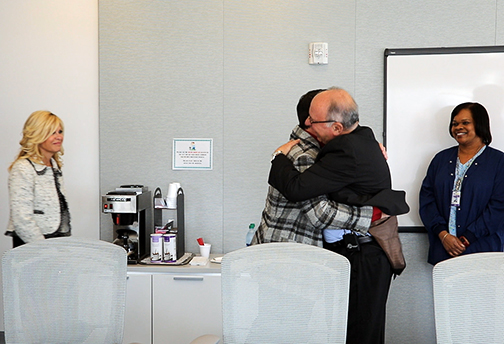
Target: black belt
[{"x": 364, "y": 239}]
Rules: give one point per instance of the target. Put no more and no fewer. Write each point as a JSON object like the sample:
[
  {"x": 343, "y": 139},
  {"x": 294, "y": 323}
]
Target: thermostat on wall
[{"x": 318, "y": 53}]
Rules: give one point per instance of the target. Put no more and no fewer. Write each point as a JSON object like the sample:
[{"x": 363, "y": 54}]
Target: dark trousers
[
  {"x": 16, "y": 241},
  {"x": 370, "y": 279}
]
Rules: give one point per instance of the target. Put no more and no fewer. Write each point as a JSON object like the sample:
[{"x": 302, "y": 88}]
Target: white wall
[{"x": 49, "y": 61}]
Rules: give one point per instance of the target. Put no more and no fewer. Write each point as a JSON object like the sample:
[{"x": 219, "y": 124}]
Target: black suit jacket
[{"x": 350, "y": 168}]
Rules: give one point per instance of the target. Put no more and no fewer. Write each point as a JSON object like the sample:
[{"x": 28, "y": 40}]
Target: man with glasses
[
  {"x": 303, "y": 222},
  {"x": 351, "y": 169}
]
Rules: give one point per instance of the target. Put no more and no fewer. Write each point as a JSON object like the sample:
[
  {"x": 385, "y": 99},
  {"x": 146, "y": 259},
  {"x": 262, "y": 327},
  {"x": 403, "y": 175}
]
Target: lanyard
[{"x": 460, "y": 171}]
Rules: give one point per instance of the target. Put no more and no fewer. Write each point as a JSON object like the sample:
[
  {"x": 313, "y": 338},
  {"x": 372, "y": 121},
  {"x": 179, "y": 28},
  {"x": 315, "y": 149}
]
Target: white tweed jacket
[{"x": 34, "y": 202}]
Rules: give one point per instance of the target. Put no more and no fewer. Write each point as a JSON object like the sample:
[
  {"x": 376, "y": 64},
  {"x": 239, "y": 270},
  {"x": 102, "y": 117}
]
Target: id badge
[{"x": 455, "y": 201}]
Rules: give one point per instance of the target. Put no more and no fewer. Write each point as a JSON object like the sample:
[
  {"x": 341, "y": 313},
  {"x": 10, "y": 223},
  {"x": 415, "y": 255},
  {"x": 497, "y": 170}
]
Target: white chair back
[
  {"x": 469, "y": 299},
  {"x": 64, "y": 290},
  {"x": 284, "y": 293}
]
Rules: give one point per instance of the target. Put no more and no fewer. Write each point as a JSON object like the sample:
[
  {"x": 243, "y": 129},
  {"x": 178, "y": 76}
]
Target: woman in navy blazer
[{"x": 462, "y": 195}]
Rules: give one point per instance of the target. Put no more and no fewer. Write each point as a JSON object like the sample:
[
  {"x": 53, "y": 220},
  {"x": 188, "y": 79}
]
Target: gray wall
[{"x": 233, "y": 71}]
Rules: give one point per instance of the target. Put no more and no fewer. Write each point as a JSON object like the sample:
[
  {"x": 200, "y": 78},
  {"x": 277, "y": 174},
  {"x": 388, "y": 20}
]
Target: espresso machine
[{"x": 131, "y": 209}]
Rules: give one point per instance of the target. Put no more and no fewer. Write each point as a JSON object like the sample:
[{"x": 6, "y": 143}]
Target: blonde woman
[{"x": 38, "y": 207}]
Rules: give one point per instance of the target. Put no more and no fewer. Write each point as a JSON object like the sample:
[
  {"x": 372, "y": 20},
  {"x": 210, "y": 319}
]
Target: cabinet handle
[{"x": 188, "y": 278}]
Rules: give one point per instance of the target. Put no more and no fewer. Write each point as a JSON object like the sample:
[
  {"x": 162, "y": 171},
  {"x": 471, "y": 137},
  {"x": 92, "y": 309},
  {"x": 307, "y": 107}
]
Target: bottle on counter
[{"x": 250, "y": 234}]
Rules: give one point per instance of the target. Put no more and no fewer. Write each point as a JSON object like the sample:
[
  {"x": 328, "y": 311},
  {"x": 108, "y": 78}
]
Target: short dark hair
[
  {"x": 303, "y": 106},
  {"x": 480, "y": 117}
]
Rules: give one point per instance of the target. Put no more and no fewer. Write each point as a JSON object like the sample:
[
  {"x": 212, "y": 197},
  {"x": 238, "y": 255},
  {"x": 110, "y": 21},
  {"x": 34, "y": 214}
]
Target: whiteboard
[{"x": 422, "y": 86}]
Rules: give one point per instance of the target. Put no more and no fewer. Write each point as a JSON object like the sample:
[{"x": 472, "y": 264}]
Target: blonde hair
[{"x": 36, "y": 130}]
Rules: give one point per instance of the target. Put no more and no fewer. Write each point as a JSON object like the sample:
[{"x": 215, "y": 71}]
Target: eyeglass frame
[{"x": 315, "y": 122}]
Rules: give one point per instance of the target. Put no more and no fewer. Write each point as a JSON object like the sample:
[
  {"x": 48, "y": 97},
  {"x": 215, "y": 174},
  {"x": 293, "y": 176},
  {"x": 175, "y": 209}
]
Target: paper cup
[
  {"x": 205, "y": 250},
  {"x": 171, "y": 197}
]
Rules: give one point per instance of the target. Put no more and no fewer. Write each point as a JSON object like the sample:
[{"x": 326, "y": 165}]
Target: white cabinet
[
  {"x": 172, "y": 304},
  {"x": 186, "y": 306},
  {"x": 137, "y": 320}
]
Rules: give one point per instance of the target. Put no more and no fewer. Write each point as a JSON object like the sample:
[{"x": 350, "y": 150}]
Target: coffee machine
[{"x": 131, "y": 209}]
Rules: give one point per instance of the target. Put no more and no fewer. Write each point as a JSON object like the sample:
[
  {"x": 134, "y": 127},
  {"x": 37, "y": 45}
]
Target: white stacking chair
[
  {"x": 283, "y": 293},
  {"x": 64, "y": 290},
  {"x": 469, "y": 299}
]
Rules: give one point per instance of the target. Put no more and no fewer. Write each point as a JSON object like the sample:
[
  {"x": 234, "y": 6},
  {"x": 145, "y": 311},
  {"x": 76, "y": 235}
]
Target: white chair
[
  {"x": 64, "y": 290},
  {"x": 284, "y": 293},
  {"x": 469, "y": 299}
]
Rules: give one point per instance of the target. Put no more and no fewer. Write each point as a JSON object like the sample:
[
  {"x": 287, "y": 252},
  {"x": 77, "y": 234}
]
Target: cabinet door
[
  {"x": 185, "y": 306},
  {"x": 137, "y": 320}
]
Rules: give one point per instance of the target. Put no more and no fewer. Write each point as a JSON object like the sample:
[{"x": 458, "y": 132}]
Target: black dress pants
[
  {"x": 370, "y": 279},
  {"x": 16, "y": 241}
]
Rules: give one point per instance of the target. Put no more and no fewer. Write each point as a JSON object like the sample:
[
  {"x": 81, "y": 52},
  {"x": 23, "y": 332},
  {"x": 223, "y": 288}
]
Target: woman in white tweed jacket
[{"x": 38, "y": 207}]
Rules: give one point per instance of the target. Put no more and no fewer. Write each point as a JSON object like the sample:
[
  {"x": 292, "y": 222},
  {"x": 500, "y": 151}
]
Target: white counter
[{"x": 188, "y": 268}]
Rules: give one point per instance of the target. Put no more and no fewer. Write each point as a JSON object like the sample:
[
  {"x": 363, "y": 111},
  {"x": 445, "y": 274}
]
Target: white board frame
[{"x": 422, "y": 86}]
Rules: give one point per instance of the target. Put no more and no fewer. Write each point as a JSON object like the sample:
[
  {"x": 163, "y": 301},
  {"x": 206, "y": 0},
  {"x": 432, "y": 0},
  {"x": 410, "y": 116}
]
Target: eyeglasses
[{"x": 313, "y": 122}]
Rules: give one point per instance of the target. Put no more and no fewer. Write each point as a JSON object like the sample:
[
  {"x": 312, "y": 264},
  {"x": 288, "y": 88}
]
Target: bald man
[
  {"x": 351, "y": 169},
  {"x": 303, "y": 222}
]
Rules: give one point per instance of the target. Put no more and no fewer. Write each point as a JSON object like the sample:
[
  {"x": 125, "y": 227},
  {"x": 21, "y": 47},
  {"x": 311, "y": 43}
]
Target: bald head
[
  {"x": 332, "y": 113},
  {"x": 336, "y": 104}
]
